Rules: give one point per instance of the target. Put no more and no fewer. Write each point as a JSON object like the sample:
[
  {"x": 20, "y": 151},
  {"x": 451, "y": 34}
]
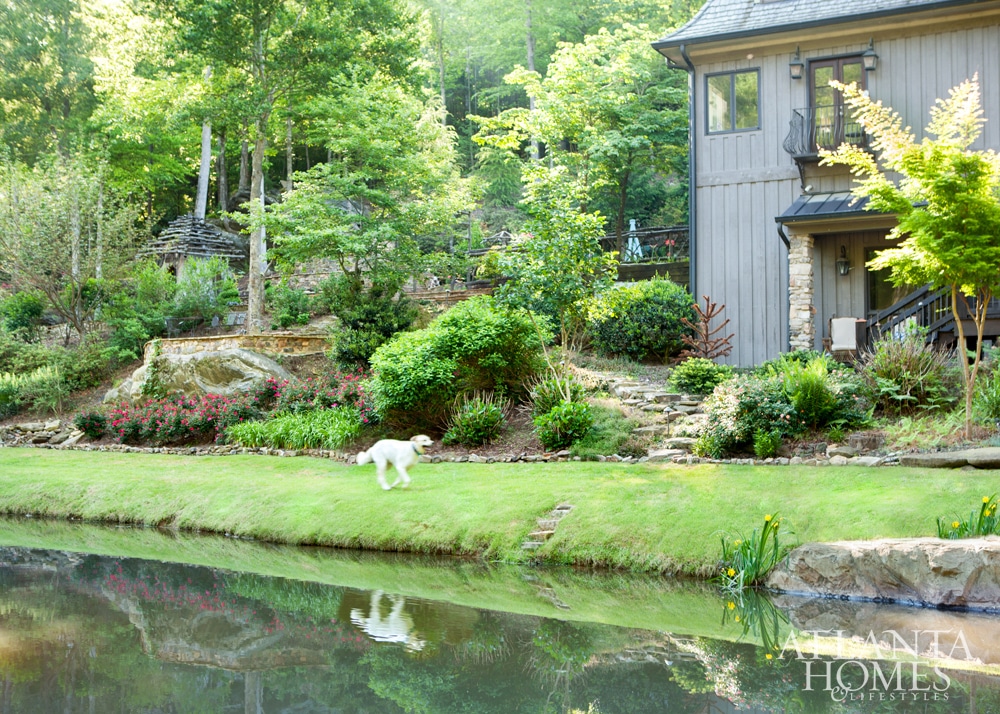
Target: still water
[{"x": 100, "y": 620}]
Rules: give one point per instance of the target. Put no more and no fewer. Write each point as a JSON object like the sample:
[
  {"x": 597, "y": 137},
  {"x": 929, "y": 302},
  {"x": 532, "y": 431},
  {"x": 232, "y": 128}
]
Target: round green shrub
[
  {"x": 641, "y": 320},
  {"x": 698, "y": 375},
  {"x": 21, "y": 313},
  {"x": 474, "y": 347},
  {"x": 547, "y": 393},
  {"x": 565, "y": 423},
  {"x": 476, "y": 421}
]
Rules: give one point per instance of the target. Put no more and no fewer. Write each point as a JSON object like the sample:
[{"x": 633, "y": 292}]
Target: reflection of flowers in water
[{"x": 234, "y": 607}]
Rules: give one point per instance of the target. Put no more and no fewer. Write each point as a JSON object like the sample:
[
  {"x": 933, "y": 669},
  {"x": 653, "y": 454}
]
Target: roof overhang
[
  {"x": 710, "y": 46},
  {"x": 819, "y": 213}
]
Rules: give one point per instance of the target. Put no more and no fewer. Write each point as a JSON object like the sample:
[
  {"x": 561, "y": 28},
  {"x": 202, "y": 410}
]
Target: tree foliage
[{"x": 947, "y": 204}]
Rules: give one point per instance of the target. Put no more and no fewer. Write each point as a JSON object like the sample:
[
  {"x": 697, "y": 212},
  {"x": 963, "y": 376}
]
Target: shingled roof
[
  {"x": 192, "y": 237},
  {"x": 723, "y": 19}
]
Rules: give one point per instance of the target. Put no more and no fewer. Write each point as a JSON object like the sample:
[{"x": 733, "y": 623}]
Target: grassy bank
[{"x": 645, "y": 518}]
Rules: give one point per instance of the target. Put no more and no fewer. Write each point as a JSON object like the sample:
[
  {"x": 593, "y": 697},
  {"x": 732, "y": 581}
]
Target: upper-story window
[{"x": 733, "y": 101}]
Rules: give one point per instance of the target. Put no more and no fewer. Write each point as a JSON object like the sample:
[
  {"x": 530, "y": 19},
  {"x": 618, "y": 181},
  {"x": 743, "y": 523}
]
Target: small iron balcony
[{"x": 827, "y": 127}]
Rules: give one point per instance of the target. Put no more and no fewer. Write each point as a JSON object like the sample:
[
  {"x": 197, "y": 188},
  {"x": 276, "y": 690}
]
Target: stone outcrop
[
  {"x": 985, "y": 458},
  {"x": 918, "y": 571},
  {"x": 224, "y": 372}
]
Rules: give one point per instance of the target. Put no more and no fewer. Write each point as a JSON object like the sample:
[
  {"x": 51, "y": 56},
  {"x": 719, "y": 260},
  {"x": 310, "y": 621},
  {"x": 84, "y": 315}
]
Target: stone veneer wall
[
  {"x": 270, "y": 344},
  {"x": 801, "y": 310}
]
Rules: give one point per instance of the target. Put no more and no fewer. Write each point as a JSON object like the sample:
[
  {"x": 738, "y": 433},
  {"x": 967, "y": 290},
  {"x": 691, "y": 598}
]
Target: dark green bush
[
  {"x": 907, "y": 374},
  {"x": 93, "y": 424},
  {"x": 565, "y": 424},
  {"x": 476, "y": 420},
  {"x": 547, "y": 393},
  {"x": 475, "y": 346},
  {"x": 20, "y": 315},
  {"x": 698, "y": 375},
  {"x": 288, "y": 306},
  {"x": 641, "y": 320},
  {"x": 368, "y": 317}
]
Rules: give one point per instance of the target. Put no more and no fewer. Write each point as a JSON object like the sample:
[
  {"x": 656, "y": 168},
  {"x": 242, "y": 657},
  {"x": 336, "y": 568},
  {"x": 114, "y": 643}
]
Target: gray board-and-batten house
[{"x": 775, "y": 236}]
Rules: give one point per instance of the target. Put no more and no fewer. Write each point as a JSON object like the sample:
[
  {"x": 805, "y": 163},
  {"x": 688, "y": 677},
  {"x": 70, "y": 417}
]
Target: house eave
[{"x": 786, "y": 33}]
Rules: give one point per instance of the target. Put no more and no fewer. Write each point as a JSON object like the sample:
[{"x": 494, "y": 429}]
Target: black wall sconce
[
  {"x": 796, "y": 66},
  {"x": 843, "y": 264},
  {"x": 868, "y": 58}
]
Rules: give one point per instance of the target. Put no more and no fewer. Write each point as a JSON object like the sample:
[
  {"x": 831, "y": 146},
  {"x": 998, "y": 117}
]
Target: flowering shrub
[
  {"x": 177, "y": 420},
  {"x": 330, "y": 391},
  {"x": 93, "y": 424}
]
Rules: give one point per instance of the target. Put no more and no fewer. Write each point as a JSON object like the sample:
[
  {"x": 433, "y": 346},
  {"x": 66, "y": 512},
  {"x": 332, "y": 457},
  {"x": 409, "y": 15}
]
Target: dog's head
[{"x": 421, "y": 442}]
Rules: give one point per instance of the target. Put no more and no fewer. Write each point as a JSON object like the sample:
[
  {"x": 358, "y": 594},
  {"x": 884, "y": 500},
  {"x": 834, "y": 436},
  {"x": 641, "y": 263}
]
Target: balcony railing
[
  {"x": 651, "y": 245},
  {"x": 826, "y": 127}
]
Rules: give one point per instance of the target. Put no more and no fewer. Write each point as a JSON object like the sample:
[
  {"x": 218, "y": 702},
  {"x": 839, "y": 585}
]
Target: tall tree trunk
[
  {"x": 289, "y": 154},
  {"x": 99, "y": 257},
  {"x": 222, "y": 172},
  {"x": 258, "y": 249},
  {"x": 244, "y": 161},
  {"x": 530, "y": 44},
  {"x": 201, "y": 199}
]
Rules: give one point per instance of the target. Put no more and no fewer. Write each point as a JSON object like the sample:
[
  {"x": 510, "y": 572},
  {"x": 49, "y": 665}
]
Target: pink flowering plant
[
  {"x": 193, "y": 420},
  {"x": 180, "y": 420}
]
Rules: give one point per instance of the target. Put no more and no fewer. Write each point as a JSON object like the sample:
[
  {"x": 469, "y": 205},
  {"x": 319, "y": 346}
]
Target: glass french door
[{"x": 832, "y": 124}]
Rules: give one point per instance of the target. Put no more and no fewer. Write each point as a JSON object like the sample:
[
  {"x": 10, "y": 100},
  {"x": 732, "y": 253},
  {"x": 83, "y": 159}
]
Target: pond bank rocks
[{"x": 927, "y": 572}]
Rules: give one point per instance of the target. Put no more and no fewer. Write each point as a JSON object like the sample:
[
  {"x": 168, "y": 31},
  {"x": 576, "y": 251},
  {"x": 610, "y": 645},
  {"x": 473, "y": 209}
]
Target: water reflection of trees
[{"x": 98, "y": 634}]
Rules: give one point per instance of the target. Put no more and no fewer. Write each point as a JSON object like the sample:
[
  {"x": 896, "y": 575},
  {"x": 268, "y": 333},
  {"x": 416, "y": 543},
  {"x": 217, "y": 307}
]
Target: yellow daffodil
[
  {"x": 768, "y": 656},
  {"x": 767, "y": 518},
  {"x": 731, "y": 605},
  {"x": 986, "y": 499},
  {"x": 737, "y": 542},
  {"x": 730, "y": 572},
  {"x": 954, "y": 524},
  {"x": 737, "y": 618}
]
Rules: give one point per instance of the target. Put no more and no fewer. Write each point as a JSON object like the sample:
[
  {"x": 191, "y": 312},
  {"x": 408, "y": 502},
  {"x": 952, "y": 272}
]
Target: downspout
[
  {"x": 692, "y": 175},
  {"x": 788, "y": 289}
]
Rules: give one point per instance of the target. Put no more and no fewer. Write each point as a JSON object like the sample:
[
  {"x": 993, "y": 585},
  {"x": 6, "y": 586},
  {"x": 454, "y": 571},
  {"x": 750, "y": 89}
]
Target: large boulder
[
  {"x": 911, "y": 571},
  {"x": 225, "y": 372}
]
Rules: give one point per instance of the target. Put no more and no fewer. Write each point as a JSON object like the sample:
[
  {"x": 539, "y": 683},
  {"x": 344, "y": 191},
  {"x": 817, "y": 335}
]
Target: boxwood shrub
[{"x": 641, "y": 320}]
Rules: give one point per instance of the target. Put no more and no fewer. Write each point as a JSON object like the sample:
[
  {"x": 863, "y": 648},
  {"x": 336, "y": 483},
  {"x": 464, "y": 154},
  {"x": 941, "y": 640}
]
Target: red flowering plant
[
  {"x": 329, "y": 391},
  {"x": 178, "y": 420}
]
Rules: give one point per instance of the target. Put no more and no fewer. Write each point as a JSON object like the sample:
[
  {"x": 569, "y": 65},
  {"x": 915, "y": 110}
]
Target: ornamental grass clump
[
  {"x": 476, "y": 420},
  {"x": 318, "y": 429},
  {"x": 548, "y": 393},
  {"x": 984, "y": 523},
  {"x": 746, "y": 561}
]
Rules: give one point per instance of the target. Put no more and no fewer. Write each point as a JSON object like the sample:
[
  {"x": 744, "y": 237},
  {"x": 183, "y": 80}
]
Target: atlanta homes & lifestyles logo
[{"x": 884, "y": 666}]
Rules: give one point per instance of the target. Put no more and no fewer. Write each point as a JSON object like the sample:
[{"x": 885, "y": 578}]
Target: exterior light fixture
[
  {"x": 796, "y": 66},
  {"x": 868, "y": 58},
  {"x": 843, "y": 264}
]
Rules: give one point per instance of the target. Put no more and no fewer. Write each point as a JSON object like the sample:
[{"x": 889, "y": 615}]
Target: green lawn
[{"x": 644, "y": 518}]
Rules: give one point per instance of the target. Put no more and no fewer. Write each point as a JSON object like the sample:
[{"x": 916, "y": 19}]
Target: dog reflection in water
[
  {"x": 401, "y": 454},
  {"x": 397, "y": 626}
]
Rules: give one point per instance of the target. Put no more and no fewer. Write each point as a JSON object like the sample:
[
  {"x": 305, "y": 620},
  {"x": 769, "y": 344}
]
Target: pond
[{"x": 140, "y": 620}]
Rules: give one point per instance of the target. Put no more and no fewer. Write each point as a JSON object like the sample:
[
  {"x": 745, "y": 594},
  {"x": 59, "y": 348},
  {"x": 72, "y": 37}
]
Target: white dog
[{"x": 401, "y": 454}]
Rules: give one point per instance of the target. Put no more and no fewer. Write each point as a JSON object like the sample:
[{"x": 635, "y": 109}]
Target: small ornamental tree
[
  {"x": 560, "y": 266},
  {"x": 947, "y": 204}
]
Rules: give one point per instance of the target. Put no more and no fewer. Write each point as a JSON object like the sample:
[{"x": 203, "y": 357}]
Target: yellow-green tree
[{"x": 947, "y": 203}]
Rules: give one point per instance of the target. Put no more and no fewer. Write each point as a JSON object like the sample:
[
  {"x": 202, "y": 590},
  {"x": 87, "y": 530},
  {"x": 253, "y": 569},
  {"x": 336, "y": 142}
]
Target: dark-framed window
[{"x": 732, "y": 101}]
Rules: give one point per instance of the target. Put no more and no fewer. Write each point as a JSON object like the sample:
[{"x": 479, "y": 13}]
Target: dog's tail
[{"x": 364, "y": 458}]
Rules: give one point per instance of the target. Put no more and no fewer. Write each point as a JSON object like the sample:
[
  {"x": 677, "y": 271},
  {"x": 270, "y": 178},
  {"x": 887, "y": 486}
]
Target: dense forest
[{"x": 363, "y": 126}]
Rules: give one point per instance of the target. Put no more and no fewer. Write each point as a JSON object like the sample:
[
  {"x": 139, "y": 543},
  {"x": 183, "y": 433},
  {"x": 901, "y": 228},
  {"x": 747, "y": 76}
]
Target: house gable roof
[{"x": 731, "y": 19}]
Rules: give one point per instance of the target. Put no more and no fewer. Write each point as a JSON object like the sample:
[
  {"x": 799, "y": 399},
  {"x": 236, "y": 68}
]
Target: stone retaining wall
[{"x": 268, "y": 344}]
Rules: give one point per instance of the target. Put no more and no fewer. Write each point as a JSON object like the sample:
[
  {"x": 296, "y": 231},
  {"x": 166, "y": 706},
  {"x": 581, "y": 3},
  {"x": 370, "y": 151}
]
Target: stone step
[
  {"x": 653, "y": 408},
  {"x": 541, "y": 535},
  {"x": 664, "y": 397},
  {"x": 654, "y": 430},
  {"x": 548, "y": 524},
  {"x": 531, "y": 545}
]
